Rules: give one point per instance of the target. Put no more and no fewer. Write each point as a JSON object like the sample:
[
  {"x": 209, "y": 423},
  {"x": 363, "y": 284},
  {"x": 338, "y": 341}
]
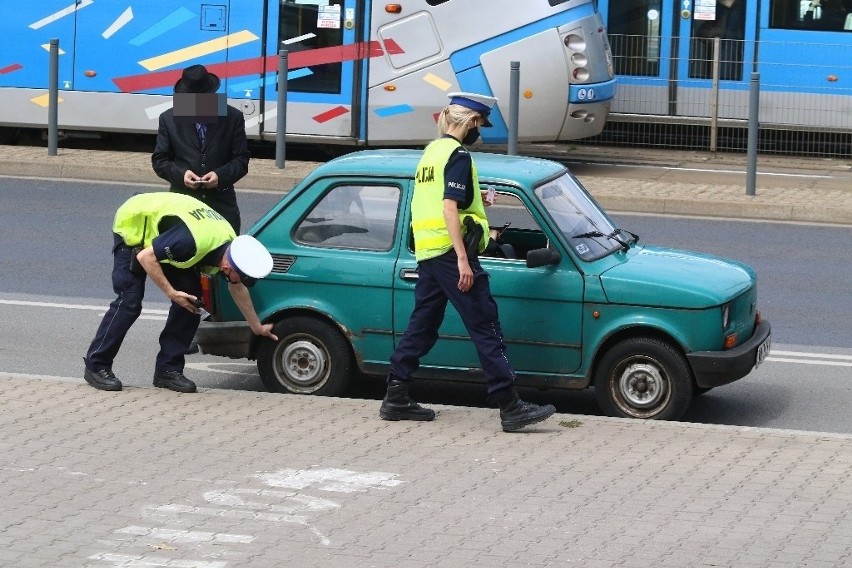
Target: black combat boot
[
  {"x": 515, "y": 413},
  {"x": 398, "y": 406}
]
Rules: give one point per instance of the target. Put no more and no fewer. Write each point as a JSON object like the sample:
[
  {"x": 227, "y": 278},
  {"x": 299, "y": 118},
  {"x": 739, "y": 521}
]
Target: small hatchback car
[{"x": 582, "y": 302}]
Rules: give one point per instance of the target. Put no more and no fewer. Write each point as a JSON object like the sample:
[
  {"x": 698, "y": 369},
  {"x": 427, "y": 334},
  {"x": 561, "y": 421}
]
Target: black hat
[{"x": 196, "y": 79}]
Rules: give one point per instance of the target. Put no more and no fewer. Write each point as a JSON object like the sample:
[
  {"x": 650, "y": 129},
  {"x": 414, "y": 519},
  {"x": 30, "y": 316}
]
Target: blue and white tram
[
  {"x": 360, "y": 72},
  {"x": 664, "y": 58}
]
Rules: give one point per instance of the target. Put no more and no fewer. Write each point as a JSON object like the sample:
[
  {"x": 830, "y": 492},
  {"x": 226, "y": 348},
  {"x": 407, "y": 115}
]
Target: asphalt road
[{"x": 55, "y": 285}]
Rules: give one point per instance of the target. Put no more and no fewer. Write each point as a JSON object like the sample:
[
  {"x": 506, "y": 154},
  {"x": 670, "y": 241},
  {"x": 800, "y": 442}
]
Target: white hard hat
[{"x": 250, "y": 258}]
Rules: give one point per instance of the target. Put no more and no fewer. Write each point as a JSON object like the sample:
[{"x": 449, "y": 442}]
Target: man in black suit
[{"x": 201, "y": 147}]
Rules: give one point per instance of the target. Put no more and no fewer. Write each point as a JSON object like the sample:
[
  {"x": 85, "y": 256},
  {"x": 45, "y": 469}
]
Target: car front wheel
[
  {"x": 643, "y": 377},
  {"x": 310, "y": 357}
]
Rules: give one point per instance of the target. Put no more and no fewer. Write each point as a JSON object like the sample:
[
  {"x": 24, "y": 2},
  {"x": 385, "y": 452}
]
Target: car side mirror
[{"x": 543, "y": 257}]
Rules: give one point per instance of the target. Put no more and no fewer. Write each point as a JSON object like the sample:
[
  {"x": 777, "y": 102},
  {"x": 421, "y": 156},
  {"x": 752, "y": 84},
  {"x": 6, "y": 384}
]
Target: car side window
[
  {"x": 352, "y": 216},
  {"x": 514, "y": 231}
]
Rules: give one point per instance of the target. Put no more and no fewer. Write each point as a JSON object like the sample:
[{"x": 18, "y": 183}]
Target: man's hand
[
  {"x": 191, "y": 180},
  {"x": 210, "y": 179},
  {"x": 184, "y": 300},
  {"x": 265, "y": 330}
]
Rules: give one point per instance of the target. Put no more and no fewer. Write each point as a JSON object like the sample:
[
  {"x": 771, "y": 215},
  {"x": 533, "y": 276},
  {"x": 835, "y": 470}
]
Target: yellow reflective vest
[
  {"x": 138, "y": 223},
  {"x": 431, "y": 236}
]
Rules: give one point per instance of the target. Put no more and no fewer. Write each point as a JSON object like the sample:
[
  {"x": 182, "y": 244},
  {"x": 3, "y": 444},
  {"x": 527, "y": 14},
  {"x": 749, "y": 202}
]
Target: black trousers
[
  {"x": 123, "y": 312},
  {"x": 437, "y": 284}
]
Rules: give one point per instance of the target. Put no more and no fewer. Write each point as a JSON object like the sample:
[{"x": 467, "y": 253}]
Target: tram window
[
  {"x": 816, "y": 15},
  {"x": 634, "y": 34},
  {"x": 729, "y": 26},
  {"x": 436, "y": 2},
  {"x": 317, "y": 26}
]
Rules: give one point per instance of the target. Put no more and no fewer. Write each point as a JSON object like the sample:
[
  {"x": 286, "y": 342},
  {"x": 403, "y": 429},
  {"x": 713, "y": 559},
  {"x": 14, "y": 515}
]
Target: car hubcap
[
  {"x": 304, "y": 364},
  {"x": 641, "y": 385}
]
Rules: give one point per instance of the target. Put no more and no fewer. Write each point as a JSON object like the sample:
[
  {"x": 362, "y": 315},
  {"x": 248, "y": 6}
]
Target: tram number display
[{"x": 586, "y": 94}]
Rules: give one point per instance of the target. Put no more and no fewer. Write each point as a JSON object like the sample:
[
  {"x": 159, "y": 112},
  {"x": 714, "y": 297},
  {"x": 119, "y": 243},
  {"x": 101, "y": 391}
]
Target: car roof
[{"x": 403, "y": 163}]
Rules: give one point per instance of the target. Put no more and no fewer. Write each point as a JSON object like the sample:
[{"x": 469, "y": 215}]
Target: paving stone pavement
[{"x": 221, "y": 479}]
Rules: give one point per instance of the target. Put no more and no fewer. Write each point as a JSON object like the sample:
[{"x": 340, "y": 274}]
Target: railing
[{"x": 702, "y": 102}]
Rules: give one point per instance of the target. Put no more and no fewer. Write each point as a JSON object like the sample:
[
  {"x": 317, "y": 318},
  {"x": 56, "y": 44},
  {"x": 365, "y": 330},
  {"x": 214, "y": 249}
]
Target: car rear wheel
[
  {"x": 643, "y": 377},
  {"x": 310, "y": 357}
]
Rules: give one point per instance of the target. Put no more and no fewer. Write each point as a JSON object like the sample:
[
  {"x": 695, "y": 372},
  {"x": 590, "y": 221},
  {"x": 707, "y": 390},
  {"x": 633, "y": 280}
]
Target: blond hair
[{"x": 454, "y": 114}]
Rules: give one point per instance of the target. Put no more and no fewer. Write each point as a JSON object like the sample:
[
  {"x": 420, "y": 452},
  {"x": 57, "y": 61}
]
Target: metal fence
[{"x": 702, "y": 102}]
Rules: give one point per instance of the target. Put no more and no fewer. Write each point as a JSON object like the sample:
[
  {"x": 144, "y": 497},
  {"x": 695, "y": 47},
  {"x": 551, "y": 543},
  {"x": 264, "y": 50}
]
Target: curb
[{"x": 626, "y": 195}]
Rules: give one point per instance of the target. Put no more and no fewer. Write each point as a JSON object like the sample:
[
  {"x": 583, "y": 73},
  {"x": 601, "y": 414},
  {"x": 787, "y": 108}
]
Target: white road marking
[
  {"x": 145, "y": 311},
  {"x": 175, "y": 535},
  {"x": 809, "y": 362},
  {"x": 330, "y": 479},
  {"x": 138, "y": 561},
  {"x": 700, "y": 170}
]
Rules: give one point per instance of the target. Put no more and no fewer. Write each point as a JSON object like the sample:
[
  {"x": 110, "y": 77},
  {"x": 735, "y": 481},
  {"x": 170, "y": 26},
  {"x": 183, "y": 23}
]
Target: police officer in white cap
[
  {"x": 172, "y": 238},
  {"x": 447, "y": 205}
]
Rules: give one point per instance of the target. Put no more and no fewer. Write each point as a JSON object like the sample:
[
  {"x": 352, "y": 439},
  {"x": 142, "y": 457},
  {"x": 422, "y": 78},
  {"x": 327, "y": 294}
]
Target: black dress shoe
[
  {"x": 192, "y": 349},
  {"x": 104, "y": 379},
  {"x": 173, "y": 380}
]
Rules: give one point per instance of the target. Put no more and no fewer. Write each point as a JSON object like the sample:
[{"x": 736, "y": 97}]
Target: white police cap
[
  {"x": 250, "y": 258},
  {"x": 479, "y": 103}
]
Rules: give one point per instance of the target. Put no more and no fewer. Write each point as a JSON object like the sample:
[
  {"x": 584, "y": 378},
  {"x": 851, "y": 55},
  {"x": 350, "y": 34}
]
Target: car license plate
[{"x": 762, "y": 351}]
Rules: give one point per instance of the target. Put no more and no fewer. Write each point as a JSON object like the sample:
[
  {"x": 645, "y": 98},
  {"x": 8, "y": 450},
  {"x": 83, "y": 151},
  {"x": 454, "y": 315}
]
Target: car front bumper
[{"x": 716, "y": 368}]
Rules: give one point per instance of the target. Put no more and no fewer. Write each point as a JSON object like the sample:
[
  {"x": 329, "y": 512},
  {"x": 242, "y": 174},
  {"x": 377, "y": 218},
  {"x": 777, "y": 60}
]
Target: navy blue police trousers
[
  {"x": 436, "y": 285},
  {"x": 181, "y": 324}
]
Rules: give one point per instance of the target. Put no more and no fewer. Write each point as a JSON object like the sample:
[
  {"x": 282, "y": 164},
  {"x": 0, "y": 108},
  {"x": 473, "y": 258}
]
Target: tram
[
  {"x": 360, "y": 72},
  {"x": 672, "y": 70}
]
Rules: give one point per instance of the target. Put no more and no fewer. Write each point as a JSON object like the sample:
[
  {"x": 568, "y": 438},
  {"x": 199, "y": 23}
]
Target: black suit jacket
[{"x": 225, "y": 151}]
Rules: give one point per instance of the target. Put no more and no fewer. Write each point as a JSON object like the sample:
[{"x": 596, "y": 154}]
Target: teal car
[{"x": 582, "y": 302}]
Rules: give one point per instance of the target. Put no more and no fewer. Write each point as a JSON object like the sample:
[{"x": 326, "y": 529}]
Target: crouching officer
[
  {"x": 446, "y": 192},
  {"x": 171, "y": 238}
]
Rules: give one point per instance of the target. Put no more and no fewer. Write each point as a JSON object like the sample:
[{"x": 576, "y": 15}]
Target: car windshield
[{"x": 587, "y": 229}]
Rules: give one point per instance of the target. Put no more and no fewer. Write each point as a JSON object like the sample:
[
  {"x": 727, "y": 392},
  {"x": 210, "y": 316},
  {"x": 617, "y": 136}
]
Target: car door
[
  {"x": 540, "y": 309},
  {"x": 334, "y": 248}
]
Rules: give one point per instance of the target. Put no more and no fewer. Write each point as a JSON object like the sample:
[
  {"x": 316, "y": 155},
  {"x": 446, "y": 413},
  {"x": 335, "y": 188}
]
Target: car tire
[
  {"x": 643, "y": 377},
  {"x": 310, "y": 357}
]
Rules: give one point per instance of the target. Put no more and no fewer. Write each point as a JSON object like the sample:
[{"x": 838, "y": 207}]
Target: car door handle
[{"x": 409, "y": 274}]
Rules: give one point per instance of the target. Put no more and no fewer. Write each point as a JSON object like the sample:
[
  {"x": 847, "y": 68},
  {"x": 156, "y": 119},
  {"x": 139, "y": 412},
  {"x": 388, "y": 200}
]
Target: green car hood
[{"x": 655, "y": 276}]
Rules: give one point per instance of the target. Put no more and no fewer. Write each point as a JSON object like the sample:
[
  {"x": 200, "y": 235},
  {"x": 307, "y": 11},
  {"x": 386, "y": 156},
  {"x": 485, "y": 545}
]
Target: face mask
[{"x": 471, "y": 136}]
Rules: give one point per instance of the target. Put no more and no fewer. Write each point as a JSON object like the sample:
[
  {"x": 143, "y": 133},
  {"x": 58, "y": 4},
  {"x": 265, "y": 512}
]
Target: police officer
[
  {"x": 171, "y": 237},
  {"x": 446, "y": 191}
]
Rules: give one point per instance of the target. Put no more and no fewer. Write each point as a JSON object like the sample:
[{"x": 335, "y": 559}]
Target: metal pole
[
  {"x": 281, "y": 123},
  {"x": 754, "y": 110},
  {"x": 714, "y": 96},
  {"x": 514, "y": 95},
  {"x": 53, "y": 98},
  {"x": 753, "y": 126}
]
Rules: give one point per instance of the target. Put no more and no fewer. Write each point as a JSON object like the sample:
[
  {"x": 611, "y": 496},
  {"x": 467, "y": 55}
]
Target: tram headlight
[
  {"x": 580, "y": 74},
  {"x": 580, "y": 59},
  {"x": 575, "y": 42}
]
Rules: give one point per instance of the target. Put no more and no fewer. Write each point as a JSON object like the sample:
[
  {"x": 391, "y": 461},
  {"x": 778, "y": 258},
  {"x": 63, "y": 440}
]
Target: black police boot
[
  {"x": 173, "y": 380},
  {"x": 104, "y": 379},
  {"x": 515, "y": 413},
  {"x": 398, "y": 406}
]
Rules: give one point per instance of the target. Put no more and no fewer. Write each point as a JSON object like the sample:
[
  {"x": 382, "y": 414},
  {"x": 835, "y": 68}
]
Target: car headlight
[{"x": 726, "y": 316}]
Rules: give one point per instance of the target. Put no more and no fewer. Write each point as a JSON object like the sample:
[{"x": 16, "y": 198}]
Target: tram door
[
  {"x": 663, "y": 54},
  {"x": 320, "y": 37}
]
